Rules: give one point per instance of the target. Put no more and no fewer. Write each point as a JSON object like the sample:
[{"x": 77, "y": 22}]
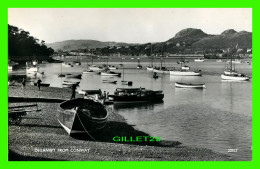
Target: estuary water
[{"x": 218, "y": 117}]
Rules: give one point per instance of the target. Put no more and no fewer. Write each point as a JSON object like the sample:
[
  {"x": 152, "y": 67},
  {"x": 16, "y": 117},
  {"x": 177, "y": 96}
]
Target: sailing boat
[
  {"x": 94, "y": 67},
  {"x": 107, "y": 72},
  {"x": 232, "y": 75},
  {"x": 139, "y": 66},
  {"x": 61, "y": 75},
  {"x": 151, "y": 67},
  {"x": 185, "y": 71},
  {"x": 129, "y": 83},
  {"x": 77, "y": 62},
  {"x": 161, "y": 69}
]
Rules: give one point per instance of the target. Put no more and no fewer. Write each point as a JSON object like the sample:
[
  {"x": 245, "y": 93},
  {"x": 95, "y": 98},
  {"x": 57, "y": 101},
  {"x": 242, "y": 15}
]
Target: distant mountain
[
  {"x": 81, "y": 44},
  {"x": 196, "y": 38},
  {"x": 189, "y": 38}
]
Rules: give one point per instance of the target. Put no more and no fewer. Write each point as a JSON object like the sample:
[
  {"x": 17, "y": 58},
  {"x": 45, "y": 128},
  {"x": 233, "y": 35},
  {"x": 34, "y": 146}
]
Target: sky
[{"x": 130, "y": 25}]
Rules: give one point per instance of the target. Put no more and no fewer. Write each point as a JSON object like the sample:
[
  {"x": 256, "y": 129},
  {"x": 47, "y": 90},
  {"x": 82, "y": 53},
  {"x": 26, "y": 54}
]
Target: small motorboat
[
  {"x": 190, "y": 85},
  {"x": 61, "y": 75},
  {"x": 77, "y": 76},
  {"x": 82, "y": 116},
  {"x": 42, "y": 84}
]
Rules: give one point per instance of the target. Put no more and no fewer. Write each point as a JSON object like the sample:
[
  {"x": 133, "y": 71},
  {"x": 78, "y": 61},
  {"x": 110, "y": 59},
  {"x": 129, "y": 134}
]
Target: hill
[{"x": 69, "y": 45}]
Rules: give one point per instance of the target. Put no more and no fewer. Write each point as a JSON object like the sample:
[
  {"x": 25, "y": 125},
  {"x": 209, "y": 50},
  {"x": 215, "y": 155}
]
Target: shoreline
[{"x": 40, "y": 131}]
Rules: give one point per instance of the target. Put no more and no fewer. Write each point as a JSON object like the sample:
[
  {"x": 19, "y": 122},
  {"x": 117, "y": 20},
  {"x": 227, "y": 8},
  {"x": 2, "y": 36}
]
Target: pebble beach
[{"x": 39, "y": 137}]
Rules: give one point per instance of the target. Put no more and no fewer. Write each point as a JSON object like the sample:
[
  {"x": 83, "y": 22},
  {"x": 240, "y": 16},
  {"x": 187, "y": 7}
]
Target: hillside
[{"x": 81, "y": 44}]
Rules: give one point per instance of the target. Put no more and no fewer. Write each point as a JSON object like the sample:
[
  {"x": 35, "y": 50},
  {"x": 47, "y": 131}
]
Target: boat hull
[
  {"x": 235, "y": 77},
  {"x": 77, "y": 76},
  {"x": 150, "y": 68},
  {"x": 185, "y": 73},
  {"x": 161, "y": 71},
  {"x": 110, "y": 74},
  {"x": 78, "y": 120},
  {"x": 189, "y": 85}
]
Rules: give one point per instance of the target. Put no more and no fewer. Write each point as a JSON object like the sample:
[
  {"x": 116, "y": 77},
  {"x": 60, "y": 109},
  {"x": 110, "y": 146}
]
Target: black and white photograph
[{"x": 130, "y": 84}]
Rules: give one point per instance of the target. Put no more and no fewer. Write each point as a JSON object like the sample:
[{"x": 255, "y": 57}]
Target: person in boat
[
  {"x": 39, "y": 84},
  {"x": 73, "y": 91},
  {"x": 23, "y": 83}
]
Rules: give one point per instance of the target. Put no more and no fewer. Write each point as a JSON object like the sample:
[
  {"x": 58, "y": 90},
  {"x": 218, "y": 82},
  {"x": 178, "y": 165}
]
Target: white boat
[
  {"x": 219, "y": 60},
  {"x": 199, "y": 60},
  {"x": 69, "y": 83},
  {"x": 88, "y": 71},
  {"x": 190, "y": 85},
  {"x": 149, "y": 68},
  {"x": 109, "y": 73},
  {"x": 32, "y": 69},
  {"x": 185, "y": 67},
  {"x": 185, "y": 73},
  {"x": 236, "y": 77},
  {"x": 95, "y": 68}
]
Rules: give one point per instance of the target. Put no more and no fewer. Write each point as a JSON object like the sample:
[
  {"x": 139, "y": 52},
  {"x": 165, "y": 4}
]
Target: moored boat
[
  {"x": 82, "y": 116},
  {"x": 88, "y": 71},
  {"x": 32, "y": 69},
  {"x": 185, "y": 73},
  {"x": 77, "y": 76},
  {"x": 190, "y": 85},
  {"x": 235, "y": 77},
  {"x": 69, "y": 83},
  {"x": 111, "y": 67},
  {"x": 199, "y": 60},
  {"x": 110, "y": 73},
  {"x": 131, "y": 95},
  {"x": 95, "y": 68},
  {"x": 109, "y": 81},
  {"x": 236, "y": 61},
  {"x": 150, "y": 68},
  {"x": 129, "y": 83},
  {"x": 219, "y": 60}
]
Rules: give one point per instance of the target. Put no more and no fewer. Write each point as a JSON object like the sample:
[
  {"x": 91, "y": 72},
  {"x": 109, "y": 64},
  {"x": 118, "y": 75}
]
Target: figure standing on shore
[
  {"x": 73, "y": 91},
  {"x": 39, "y": 84},
  {"x": 23, "y": 83}
]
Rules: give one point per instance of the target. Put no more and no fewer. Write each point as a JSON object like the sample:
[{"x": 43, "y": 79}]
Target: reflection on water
[{"x": 218, "y": 117}]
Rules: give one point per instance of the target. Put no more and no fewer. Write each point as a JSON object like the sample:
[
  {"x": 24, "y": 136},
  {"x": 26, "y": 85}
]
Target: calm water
[{"x": 218, "y": 118}]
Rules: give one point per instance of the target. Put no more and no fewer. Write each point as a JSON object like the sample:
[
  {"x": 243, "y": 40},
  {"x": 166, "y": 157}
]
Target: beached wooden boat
[
  {"x": 190, "y": 85},
  {"x": 77, "y": 76},
  {"x": 42, "y": 84},
  {"x": 82, "y": 116},
  {"x": 131, "y": 95}
]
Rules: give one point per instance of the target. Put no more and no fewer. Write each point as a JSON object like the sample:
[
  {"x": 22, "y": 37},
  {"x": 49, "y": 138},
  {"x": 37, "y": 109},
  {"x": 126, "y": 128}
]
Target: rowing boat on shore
[
  {"x": 190, "y": 85},
  {"x": 82, "y": 116}
]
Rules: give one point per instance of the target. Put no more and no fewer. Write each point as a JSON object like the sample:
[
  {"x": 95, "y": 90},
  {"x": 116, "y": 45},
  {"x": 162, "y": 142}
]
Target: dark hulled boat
[
  {"x": 82, "y": 116},
  {"x": 130, "y": 95}
]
